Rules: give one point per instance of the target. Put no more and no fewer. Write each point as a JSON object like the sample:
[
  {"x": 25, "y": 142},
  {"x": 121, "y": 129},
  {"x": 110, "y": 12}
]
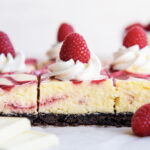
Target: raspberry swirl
[{"x": 7, "y": 82}]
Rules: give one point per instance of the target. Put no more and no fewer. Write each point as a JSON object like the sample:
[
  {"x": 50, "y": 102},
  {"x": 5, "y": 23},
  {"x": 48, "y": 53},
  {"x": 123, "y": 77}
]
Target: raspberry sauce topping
[
  {"x": 126, "y": 74},
  {"x": 10, "y": 82},
  {"x": 19, "y": 82},
  {"x": 97, "y": 81},
  {"x": 6, "y": 87},
  {"x": 31, "y": 61},
  {"x": 76, "y": 82}
]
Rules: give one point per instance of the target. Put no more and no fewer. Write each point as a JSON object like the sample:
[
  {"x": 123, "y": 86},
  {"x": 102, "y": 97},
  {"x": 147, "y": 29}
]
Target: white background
[
  {"x": 32, "y": 24},
  {"x": 32, "y": 27}
]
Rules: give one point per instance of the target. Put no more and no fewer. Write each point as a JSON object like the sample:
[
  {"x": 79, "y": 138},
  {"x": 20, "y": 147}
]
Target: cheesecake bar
[
  {"x": 131, "y": 95},
  {"x": 76, "y": 102},
  {"x": 18, "y": 95},
  {"x": 75, "y": 92}
]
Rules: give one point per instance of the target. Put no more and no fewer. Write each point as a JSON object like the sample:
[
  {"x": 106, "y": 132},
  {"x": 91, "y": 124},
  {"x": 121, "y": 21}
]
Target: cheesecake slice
[
  {"x": 131, "y": 95},
  {"x": 18, "y": 95},
  {"x": 76, "y": 102}
]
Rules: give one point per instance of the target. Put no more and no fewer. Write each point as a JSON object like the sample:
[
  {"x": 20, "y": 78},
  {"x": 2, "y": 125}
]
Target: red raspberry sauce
[
  {"x": 97, "y": 81},
  {"x": 76, "y": 82}
]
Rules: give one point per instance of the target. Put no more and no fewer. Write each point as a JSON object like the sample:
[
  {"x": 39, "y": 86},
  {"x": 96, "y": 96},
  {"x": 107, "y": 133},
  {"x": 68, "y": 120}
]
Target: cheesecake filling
[
  {"x": 132, "y": 59},
  {"x": 69, "y": 97},
  {"x": 18, "y": 93},
  {"x": 132, "y": 94},
  {"x": 15, "y": 103},
  {"x": 68, "y": 105},
  {"x": 18, "y": 108}
]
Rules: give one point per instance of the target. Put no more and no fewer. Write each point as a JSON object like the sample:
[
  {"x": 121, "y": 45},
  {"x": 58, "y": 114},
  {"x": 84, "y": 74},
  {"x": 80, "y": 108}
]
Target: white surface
[
  {"x": 32, "y": 24},
  {"x": 97, "y": 138},
  {"x": 30, "y": 140}
]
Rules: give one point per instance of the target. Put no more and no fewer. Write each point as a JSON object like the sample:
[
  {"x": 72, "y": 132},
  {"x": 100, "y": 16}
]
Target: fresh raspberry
[
  {"x": 75, "y": 47},
  {"x": 6, "y": 45},
  {"x": 134, "y": 25},
  {"x": 63, "y": 31},
  {"x": 141, "y": 121},
  {"x": 135, "y": 35}
]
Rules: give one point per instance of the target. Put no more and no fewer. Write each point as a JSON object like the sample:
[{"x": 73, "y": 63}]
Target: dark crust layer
[
  {"x": 123, "y": 119},
  {"x": 31, "y": 117},
  {"x": 105, "y": 119}
]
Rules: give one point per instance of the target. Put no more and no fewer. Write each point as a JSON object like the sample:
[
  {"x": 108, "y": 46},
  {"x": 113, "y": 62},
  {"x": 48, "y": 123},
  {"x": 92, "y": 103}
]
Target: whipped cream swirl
[
  {"x": 132, "y": 59},
  {"x": 69, "y": 70},
  {"x": 53, "y": 53},
  {"x": 10, "y": 64}
]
